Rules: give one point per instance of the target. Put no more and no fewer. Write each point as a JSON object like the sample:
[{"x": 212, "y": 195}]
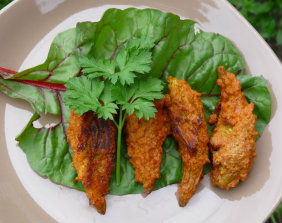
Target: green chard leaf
[
  {"x": 62, "y": 61},
  {"x": 48, "y": 152},
  {"x": 41, "y": 99},
  {"x": 176, "y": 50},
  {"x": 256, "y": 92}
]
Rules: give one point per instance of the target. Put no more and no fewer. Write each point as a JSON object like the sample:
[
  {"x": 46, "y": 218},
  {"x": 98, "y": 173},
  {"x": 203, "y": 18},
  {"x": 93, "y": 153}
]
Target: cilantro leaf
[
  {"x": 82, "y": 94},
  {"x": 97, "y": 67},
  {"x": 122, "y": 94},
  {"x": 125, "y": 77},
  {"x": 133, "y": 58},
  {"x": 143, "y": 108},
  {"x": 109, "y": 108},
  {"x": 146, "y": 88},
  {"x": 138, "y": 96},
  {"x": 106, "y": 96},
  {"x": 149, "y": 88}
]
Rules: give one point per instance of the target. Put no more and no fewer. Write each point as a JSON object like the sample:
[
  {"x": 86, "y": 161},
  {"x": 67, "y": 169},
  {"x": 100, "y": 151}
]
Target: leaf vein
[
  {"x": 45, "y": 144},
  {"x": 43, "y": 98},
  {"x": 24, "y": 96},
  {"x": 207, "y": 60}
]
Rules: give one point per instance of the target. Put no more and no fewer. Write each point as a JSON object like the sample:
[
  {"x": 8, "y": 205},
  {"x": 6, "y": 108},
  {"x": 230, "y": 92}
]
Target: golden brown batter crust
[
  {"x": 189, "y": 128},
  {"x": 233, "y": 139},
  {"x": 93, "y": 143},
  {"x": 144, "y": 145}
]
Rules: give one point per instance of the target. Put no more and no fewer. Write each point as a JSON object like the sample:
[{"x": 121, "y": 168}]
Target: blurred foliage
[
  {"x": 3, "y": 3},
  {"x": 276, "y": 217},
  {"x": 266, "y": 17}
]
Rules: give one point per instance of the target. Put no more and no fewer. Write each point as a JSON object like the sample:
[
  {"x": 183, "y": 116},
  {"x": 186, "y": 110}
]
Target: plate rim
[{"x": 239, "y": 16}]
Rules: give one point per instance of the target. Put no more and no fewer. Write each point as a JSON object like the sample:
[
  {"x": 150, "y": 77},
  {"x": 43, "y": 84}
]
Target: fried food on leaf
[
  {"x": 233, "y": 139},
  {"x": 144, "y": 140},
  {"x": 189, "y": 128},
  {"x": 93, "y": 143}
]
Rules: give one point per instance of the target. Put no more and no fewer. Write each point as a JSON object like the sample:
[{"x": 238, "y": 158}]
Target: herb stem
[
  {"x": 114, "y": 121},
  {"x": 118, "y": 147},
  {"x": 124, "y": 117},
  {"x": 41, "y": 84},
  {"x": 119, "y": 127}
]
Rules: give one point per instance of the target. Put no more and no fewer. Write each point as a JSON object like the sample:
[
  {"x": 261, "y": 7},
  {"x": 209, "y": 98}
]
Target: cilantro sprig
[
  {"x": 117, "y": 87},
  {"x": 84, "y": 94},
  {"x": 132, "y": 58}
]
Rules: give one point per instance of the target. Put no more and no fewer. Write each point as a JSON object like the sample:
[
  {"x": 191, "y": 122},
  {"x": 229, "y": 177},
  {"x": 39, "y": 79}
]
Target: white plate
[{"x": 253, "y": 200}]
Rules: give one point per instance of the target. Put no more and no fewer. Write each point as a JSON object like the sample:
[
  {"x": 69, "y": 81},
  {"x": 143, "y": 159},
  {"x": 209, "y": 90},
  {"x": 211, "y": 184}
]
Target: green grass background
[{"x": 266, "y": 17}]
